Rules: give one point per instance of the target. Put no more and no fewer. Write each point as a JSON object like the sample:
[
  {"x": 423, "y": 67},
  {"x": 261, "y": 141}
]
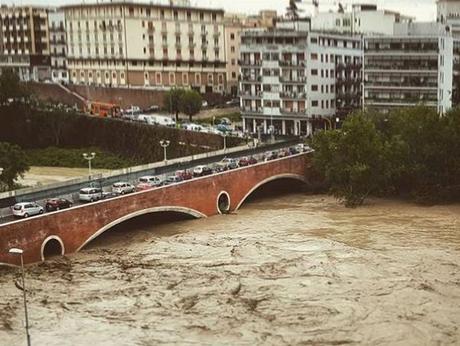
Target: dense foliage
[
  {"x": 41, "y": 129},
  {"x": 11, "y": 90},
  {"x": 73, "y": 158},
  {"x": 411, "y": 152},
  {"x": 13, "y": 164},
  {"x": 183, "y": 101}
]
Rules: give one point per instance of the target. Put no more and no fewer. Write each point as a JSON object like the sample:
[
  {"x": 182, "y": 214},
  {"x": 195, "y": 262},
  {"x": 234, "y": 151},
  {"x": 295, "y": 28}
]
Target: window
[
  {"x": 314, "y": 103},
  {"x": 233, "y": 62},
  {"x": 232, "y": 36},
  {"x": 233, "y": 75},
  {"x": 314, "y": 87},
  {"x": 232, "y": 49},
  {"x": 314, "y": 72},
  {"x": 314, "y": 56}
]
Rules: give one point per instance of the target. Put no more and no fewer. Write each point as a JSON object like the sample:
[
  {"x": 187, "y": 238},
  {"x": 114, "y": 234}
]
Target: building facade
[
  {"x": 24, "y": 42},
  {"x": 233, "y": 28},
  {"x": 414, "y": 66},
  {"x": 58, "y": 46},
  {"x": 362, "y": 19},
  {"x": 294, "y": 80},
  {"x": 448, "y": 12},
  {"x": 146, "y": 45}
]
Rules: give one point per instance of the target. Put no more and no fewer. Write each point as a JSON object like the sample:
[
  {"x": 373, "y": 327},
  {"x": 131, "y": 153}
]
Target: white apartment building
[
  {"x": 294, "y": 80},
  {"x": 414, "y": 66},
  {"x": 362, "y": 19},
  {"x": 58, "y": 46},
  {"x": 123, "y": 43},
  {"x": 24, "y": 41},
  {"x": 449, "y": 13}
]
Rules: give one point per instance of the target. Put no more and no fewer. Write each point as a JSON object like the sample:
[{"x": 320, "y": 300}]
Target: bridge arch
[
  {"x": 52, "y": 243},
  {"x": 270, "y": 179},
  {"x": 195, "y": 213}
]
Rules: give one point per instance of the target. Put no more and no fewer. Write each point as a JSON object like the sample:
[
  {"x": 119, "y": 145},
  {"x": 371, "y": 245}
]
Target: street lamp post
[
  {"x": 16, "y": 251},
  {"x": 89, "y": 157},
  {"x": 165, "y": 143}
]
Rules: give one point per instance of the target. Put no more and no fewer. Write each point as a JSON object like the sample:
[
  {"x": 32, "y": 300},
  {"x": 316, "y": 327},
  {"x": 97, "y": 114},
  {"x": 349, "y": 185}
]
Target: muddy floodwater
[{"x": 288, "y": 270}]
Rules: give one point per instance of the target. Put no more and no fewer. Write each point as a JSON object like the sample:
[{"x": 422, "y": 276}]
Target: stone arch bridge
[{"x": 71, "y": 229}]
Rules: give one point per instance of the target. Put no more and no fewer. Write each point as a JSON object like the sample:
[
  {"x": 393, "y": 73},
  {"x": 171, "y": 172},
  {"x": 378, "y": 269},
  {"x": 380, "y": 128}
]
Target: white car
[
  {"x": 27, "y": 209},
  {"x": 90, "y": 194},
  {"x": 122, "y": 188},
  {"x": 151, "y": 180}
]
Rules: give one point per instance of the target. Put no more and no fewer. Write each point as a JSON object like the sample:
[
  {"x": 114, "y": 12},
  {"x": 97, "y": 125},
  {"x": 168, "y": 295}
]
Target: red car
[
  {"x": 244, "y": 161},
  {"x": 57, "y": 204},
  {"x": 252, "y": 160},
  {"x": 184, "y": 175}
]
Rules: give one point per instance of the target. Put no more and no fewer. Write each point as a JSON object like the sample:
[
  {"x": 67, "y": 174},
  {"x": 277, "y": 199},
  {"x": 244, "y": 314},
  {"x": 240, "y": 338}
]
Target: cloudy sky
[{"x": 422, "y": 9}]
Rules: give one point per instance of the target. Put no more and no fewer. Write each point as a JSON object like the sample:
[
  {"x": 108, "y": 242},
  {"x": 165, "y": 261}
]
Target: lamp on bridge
[
  {"x": 165, "y": 143},
  {"x": 16, "y": 251},
  {"x": 89, "y": 157}
]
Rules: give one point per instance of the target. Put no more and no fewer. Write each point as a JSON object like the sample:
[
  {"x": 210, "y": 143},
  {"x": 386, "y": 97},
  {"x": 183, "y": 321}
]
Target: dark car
[
  {"x": 57, "y": 204},
  {"x": 184, "y": 175},
  {"x": 243, "y": 162},
  {"x": 293, "y": 151}
]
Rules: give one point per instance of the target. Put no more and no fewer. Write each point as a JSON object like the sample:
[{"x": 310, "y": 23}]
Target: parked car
[
  {"x": 173, "y": 179},
  {"x": 270, "y": 156},
  {"x": 244, "y": 161},
  {"x": 122, "y": 188},
  {"x": 132, "y": 110},
  {"x": 90, "y": 194},
  {"x": 293, "y": 150},
  {"x": 252, "y": 160},
  {"x": 109, "y": 195},
  {"x": 283, "y": 153},
  {"x": 26, "y": 209},
  {"x": 57, "y": 204},
  {"x": 225, "y": 121},
  {"x": 143, "y": 186},
  {"x": 231, "y": 163},
  {"x": 152, "y": 180},
  {"x": 152, "y": 108},
  {"x": 184, "y": 174},
  {"x": 200, "y": 171}
]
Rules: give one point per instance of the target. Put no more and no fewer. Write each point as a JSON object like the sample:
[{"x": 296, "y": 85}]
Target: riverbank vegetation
[{"x": 410, "y": 152}]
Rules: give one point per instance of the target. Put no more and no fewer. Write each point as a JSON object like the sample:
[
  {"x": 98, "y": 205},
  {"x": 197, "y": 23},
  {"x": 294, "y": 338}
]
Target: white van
[{"x": 164, "y": 120}]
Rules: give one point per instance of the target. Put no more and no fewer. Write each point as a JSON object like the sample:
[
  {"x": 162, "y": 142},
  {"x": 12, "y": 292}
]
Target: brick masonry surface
[{"x": 75, "y": 227}]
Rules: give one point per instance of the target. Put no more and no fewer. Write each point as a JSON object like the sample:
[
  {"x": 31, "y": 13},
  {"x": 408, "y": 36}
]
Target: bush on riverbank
[
  {"x": 73, "y": 158},
  {"x": 411, "y": 152},
  {"x": 32, "y": 129}
]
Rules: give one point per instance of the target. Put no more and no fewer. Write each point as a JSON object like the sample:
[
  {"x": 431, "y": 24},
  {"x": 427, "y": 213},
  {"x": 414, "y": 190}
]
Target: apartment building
[
  {"x": 294, "y": 80},
  {"x": 449, "y": 14},
  {"x": 233, "y": 28},
  {"x": 24, "y": 41},
  {"x": 58, "y": 46},
  {"x": 124, "y": 43},
  {"x": 414, "y": 66},
  {"x": 362, "y": 19}
]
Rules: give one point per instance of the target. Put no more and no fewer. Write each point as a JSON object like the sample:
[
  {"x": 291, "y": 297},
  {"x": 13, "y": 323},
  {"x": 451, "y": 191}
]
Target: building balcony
[
  {"x": 251, "y": 79},
  {"x": 293, "y": 111},
  {"x": 293, "y": 95},
  {"x": 204, "y": 33},
  {"x": 151, "y": 30},
  {"x": 298, "y": 80},
  {"x": 250, "y": 95},
  {"x": 250, "y": 111},
  {"x": 290, "y": 64}
]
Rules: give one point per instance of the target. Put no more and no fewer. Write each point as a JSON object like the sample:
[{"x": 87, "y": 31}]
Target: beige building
[
  {"x": 233, "y": 28},
  {"x": 265, "y": 19},
  {"x": 24, "y": 41},
  {"x": 151, "y": 45}
]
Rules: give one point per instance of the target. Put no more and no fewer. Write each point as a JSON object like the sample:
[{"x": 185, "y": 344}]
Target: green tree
[
  {"x": 13, "y": 162},
  {"x": 10, "y": 86},
  {"x": 190, "y": 103},
  {"x": 352, "y": 159},
  {"x": 172, "y": 101}
]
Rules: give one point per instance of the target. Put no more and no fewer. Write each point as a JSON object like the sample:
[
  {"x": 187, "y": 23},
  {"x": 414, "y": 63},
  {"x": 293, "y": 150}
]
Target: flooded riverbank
[{"x": 295, "y": 269}]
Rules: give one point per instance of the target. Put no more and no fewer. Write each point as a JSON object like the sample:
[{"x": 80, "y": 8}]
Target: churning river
[{"x": 289, "y": 270}]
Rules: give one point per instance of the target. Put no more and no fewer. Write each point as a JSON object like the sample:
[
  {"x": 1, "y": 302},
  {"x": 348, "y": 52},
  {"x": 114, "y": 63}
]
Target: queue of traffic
[{"x": 93, "y": 194}]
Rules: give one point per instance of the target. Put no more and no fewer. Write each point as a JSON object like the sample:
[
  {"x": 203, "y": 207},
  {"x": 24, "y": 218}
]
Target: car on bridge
[
  {"x": 143, "y": 187},
  {"x": 173, "y": 179},
  {"x": 123, "y": 187},
  {"x": 184, "y": 174},
  {"x": 200, "y": 171},
  {"x": 151, "y": 179},
  {"x": 26, "y": 209},
  {"x": 109, "y": 195},
  {"x": 90, "y": 194},
  {"x": 226, "y": 164},
  {"x": 55, "y": 204}
]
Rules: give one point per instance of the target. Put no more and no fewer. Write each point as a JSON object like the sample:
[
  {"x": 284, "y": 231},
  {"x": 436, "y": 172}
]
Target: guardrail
[{"x": 70, "y": 187}]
